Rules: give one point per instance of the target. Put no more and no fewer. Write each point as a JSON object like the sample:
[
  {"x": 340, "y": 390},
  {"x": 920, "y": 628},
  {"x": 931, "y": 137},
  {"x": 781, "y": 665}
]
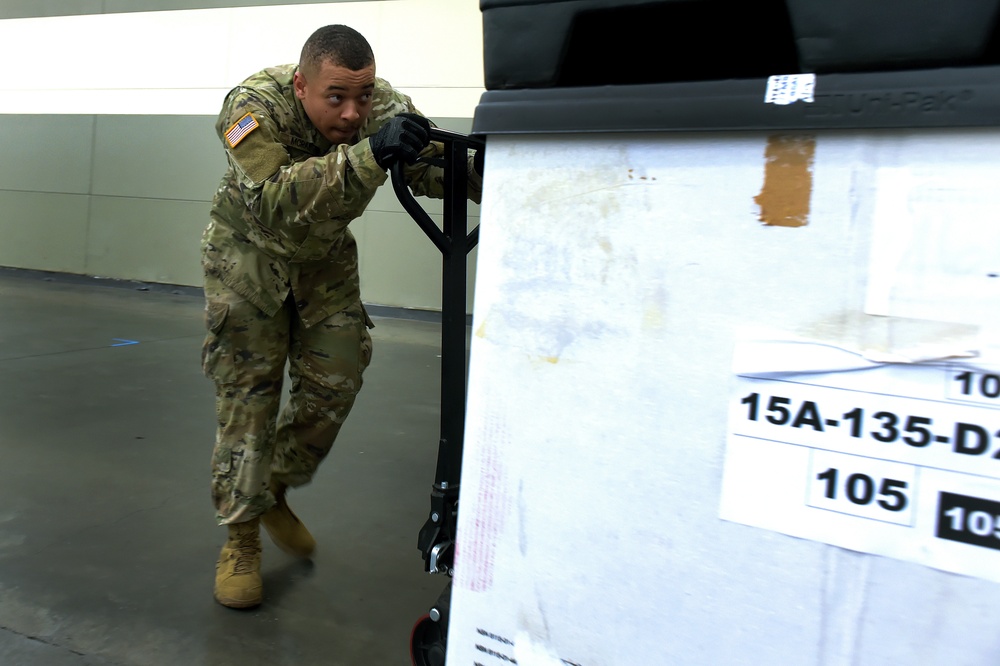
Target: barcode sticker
[{"x": 788, "y": 88}]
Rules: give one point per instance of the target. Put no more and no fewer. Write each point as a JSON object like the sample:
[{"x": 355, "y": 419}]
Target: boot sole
[{"x": 238, "y": 603}]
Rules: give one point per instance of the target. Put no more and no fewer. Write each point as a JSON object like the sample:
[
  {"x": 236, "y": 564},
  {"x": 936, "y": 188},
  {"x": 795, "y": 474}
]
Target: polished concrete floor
[{"x": 107, "y": 537}]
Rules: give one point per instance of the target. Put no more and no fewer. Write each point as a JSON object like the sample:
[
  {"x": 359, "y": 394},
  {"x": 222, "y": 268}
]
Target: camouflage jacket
[{"x": 279, "y": 218}]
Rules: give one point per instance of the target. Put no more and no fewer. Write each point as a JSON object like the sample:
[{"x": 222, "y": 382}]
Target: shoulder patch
[{"x": 240, "y": 129}]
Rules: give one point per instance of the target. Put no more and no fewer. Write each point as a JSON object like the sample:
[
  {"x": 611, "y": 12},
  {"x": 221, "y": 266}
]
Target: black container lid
[{"x": 944, "y": 97}]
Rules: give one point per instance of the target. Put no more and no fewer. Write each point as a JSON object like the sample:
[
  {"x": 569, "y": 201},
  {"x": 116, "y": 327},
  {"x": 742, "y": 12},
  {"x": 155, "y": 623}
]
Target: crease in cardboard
[
  {"x": 845, "y": 592},
  {"x": 776, "y": 356}
]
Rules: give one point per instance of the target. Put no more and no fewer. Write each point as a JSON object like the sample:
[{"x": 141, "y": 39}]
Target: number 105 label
[
  {"x": 863, "y": 487},
  {"x": 970, "y": 520},
  {"x": 900, "y": 460}
]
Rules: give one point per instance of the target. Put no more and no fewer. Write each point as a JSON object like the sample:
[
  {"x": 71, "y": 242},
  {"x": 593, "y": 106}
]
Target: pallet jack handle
[
  {"x": 453, "y": 240},
  {"x": 436, "y": 540}
]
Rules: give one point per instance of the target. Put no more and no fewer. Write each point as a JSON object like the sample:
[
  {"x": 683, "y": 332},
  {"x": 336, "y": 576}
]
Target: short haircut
[{"x": 339, "y": 45}]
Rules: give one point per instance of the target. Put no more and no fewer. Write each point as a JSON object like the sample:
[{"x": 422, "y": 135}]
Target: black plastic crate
[{"x": 573, "y": 43}]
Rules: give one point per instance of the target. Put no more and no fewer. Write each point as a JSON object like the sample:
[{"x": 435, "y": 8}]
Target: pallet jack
[{"x": 436, "y": 540}]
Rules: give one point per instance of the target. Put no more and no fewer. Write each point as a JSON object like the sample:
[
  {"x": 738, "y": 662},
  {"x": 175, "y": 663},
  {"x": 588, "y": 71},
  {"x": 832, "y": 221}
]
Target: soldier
[{"x": 307, "y": 145}]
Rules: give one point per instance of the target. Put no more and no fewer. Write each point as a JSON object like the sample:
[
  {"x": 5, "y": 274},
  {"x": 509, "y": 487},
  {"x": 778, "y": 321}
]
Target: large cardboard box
[{"x": 734, "y": 400}]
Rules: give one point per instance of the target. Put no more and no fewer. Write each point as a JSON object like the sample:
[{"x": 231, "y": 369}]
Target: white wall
[
  {"x": 106, "y": 128},
  {"x": 183, "y": 62}
]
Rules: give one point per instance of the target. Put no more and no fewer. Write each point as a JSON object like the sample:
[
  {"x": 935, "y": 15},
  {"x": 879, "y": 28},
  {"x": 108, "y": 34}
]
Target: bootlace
[{"x": 246, "y": 553}]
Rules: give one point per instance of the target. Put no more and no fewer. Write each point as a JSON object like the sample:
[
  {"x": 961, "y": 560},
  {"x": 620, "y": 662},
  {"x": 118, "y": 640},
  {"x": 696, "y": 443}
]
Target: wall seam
[{"x": 90, "y": 190}]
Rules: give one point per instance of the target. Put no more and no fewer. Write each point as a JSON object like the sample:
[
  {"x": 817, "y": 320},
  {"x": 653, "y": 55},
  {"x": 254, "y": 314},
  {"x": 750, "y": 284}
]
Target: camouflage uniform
[{"x": 281, "y": 282}]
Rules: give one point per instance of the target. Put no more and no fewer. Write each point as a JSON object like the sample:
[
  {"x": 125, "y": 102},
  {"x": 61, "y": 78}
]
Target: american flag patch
[{"x": 243, "y": 126}]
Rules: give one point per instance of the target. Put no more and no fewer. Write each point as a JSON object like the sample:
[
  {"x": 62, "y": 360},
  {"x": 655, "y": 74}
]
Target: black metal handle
[
  {"x": 456, "y": 144},
  {"x": 437, "y": 537}
]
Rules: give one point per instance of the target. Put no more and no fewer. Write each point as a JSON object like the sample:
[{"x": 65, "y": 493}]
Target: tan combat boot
[
  {"x": 285, "y": 528},
  {"x": 237, "y": 574}
]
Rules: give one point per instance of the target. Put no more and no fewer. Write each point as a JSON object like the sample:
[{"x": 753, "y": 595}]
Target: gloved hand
[{"x": 402, "y": 138}]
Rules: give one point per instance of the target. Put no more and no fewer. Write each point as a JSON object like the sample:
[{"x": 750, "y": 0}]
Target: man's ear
[{"x": 299, "y": 83}]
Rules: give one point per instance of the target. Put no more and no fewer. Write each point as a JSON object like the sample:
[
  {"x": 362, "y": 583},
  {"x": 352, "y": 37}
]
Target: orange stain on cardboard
[{"x": 784, "y": 197}]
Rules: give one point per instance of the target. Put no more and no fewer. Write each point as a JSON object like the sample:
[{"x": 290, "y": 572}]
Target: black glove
[
  {"x": 478, "y": 161},
  {"x": 402, "y": 138}
]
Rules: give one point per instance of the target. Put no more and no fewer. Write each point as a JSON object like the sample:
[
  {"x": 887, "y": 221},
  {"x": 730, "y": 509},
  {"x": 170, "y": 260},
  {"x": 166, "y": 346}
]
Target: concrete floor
[{"x": 107, "y": 537}]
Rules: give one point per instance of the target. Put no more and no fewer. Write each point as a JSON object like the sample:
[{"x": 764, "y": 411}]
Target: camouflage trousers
[{"x": 245, "y": 353}]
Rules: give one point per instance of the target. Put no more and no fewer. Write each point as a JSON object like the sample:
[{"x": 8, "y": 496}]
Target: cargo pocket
[
  {"x": 366, "y": 344},
  {"x": 217, "y": 360},
  {"x": 365, "y": 358},
  {"x": 222, "y": 462},
  {"x": 369, "y": 324}
]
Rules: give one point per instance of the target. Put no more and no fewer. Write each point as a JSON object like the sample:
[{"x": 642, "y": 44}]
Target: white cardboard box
[{"x": 619, "y": 506}]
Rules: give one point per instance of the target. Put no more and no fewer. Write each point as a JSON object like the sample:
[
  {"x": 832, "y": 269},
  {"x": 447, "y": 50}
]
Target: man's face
[{"x": 336, "y": 99}]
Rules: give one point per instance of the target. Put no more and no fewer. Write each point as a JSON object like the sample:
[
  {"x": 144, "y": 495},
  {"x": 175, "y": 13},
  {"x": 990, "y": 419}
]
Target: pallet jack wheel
[{"x": 428, "y": 641}]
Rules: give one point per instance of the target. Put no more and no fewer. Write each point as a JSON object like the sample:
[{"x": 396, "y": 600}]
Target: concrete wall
[{"x": 109, "y": 157}]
